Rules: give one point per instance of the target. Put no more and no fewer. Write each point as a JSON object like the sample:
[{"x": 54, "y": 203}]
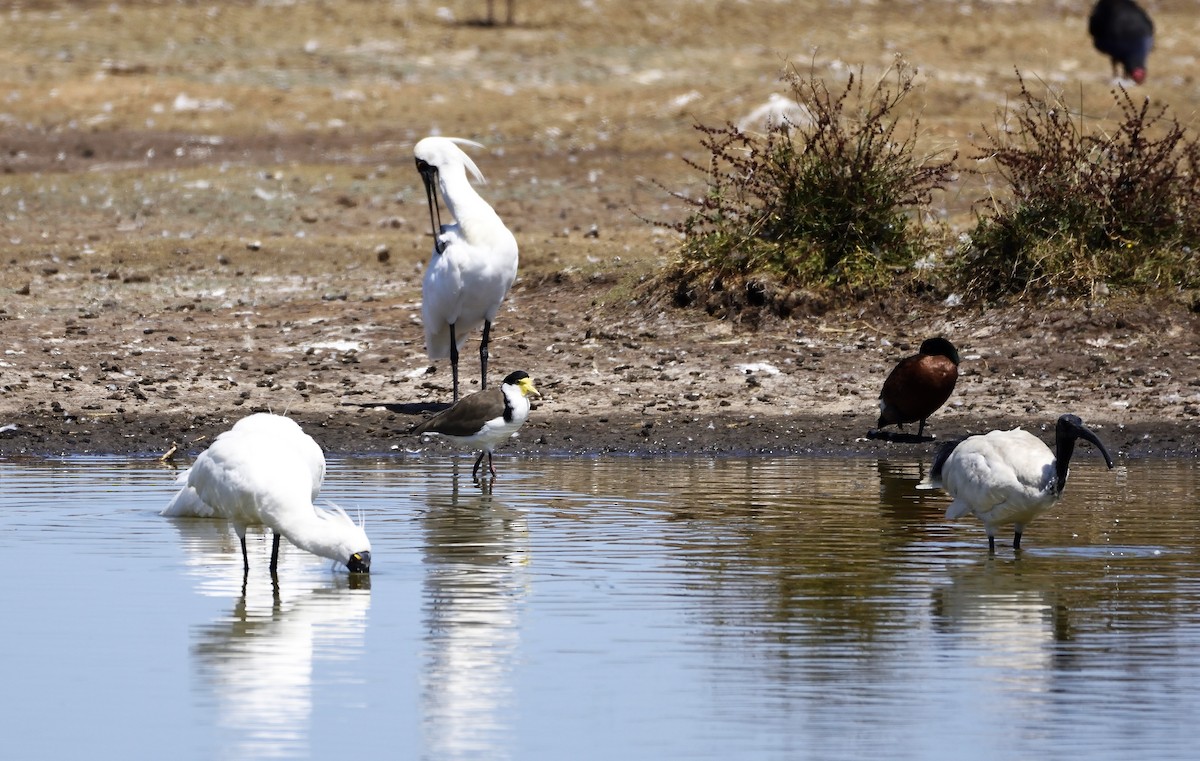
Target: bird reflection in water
[
  {"x": 258, "y": 663},
  {"x": 1008, "y": 618},
  {"x": 476, "y": 560}
]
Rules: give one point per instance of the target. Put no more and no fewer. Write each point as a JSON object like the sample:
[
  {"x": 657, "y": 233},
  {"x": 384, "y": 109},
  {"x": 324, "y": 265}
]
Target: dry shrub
[
  {"x": 1084, "y": 207},
  {"x": 827, "y": 204}
]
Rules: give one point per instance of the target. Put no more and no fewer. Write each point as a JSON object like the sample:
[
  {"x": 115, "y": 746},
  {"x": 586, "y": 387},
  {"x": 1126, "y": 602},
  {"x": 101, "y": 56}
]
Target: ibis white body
[
  {"x": 1007, "y": 477},
  {"x": 1002, "y": 478},
  {"x": 474, "y": 260},
  {"x": 266, "y": 471}
]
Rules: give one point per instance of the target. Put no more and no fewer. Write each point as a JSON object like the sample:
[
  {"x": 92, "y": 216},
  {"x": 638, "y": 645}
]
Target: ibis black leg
[
  {"x": 991, "y": 544},
  {"x": 483, "y": 353},
  {"x": 1017, "y": 541},
  {"x": 454, "y": 361},
  {"x": 274, "y": 553},
  {"x": 245, "y": 557},
  {"x": 478, "y": 462}
]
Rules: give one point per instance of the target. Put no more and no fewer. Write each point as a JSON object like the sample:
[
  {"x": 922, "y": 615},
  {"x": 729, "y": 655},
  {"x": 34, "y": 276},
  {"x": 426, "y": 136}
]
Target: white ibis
[
  {"x": 474, "y": 261},
  {"x": 484, "y": 419},
  {"x": 266, "y": 471},
  {"x": 1007, "y": 477}
]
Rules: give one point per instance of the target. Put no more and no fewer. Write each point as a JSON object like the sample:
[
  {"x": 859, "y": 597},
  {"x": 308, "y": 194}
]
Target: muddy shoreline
[{"x": 380, "y": 433}]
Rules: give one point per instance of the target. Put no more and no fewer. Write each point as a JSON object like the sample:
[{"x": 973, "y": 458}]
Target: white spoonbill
[
  {"x": 266, "y": 471},
  {"x": 1007, "y": 477},
  {"x": 474, "y": 261},
  {"x": 486, "y": 418}
]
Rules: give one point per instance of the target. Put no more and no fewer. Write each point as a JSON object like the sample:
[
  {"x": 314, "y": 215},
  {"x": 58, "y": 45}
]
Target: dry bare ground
[{"x": 211, "y": 208}]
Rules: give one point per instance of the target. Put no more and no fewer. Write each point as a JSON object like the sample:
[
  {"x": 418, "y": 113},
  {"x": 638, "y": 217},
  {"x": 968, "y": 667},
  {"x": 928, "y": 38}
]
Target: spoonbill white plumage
[
  {"x": 474, "y": 261},
  {"x": 919, "y": 385},
  {"x": 1007, "y": 477},
  {"x": 484, "y": 419},
  {"x": 267, "y": 471}
]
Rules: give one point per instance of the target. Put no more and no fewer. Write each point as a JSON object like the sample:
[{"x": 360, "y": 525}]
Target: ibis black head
[{"x": 1069, "y": 429}]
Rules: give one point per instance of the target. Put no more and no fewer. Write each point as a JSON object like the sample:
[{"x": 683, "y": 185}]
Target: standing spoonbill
[
  {"x": 918, "y": 385},
  {"x": 1007, "y": 477},
  {"x": 474, "y": 261},
  {"x": 266, "y": 471},
  {"x": 485, "y": 419}
]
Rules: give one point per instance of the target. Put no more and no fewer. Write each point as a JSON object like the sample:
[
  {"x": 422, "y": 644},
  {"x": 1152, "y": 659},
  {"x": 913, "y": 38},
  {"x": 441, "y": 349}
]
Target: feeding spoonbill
[
  {"x": 484, "y": 419},
  {"x": 474, "y": 261},
  {"x": 1007, "y": 477},
  {"x": 919, "y": 385},
  {"x": 266, "y": 471}
]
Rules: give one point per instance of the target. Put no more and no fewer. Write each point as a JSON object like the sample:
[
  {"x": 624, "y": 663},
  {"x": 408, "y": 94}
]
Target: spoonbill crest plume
[
  {"x": 1007, "y": 477},
  {"x": 484, "y": 419},
  {"x": 474, "y": 261},
  {"x": 266, "y": 471}
]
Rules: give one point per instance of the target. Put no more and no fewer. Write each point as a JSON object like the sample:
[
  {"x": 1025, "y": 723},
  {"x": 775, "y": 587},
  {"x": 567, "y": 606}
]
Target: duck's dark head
[{"x": 940, "y": 347}]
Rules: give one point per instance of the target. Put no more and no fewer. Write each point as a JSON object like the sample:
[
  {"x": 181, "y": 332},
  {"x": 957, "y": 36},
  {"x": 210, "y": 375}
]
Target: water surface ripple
[{"x": 606, "y": 608}]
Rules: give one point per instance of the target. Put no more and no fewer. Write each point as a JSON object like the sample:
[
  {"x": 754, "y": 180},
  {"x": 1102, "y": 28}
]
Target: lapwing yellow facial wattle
[
  {"x": 474, "y": 260},
  {"x": 485, "y": 419},
  {"x": 918, "y": 385}
]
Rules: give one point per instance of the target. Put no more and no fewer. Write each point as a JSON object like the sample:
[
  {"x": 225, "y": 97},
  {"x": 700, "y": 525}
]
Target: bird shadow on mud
[
  {"x": 899, "y": 437},
  {"x": 403, "y": 408}
]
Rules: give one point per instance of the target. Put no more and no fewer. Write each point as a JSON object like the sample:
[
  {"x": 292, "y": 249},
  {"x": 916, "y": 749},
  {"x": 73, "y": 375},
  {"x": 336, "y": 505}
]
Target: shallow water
[{"x": 606, "y": 608}]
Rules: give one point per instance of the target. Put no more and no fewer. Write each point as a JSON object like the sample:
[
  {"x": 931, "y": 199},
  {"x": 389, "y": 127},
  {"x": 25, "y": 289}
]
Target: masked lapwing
[{"x": 485, "y": 419}]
